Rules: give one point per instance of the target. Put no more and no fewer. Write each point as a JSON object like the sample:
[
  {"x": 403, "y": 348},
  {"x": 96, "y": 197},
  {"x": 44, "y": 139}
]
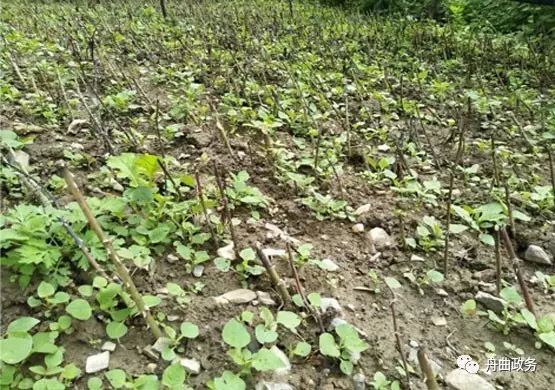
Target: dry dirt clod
[
  {"x": 241, "y": 295},
  {"x": 357, "y": 228},
  {"x": 98, "y": 362},
  {"x": 198, "y": 271},
  {"x": 227, "y": 252},
  {"x": 108, "y": 346},
  {"x": 536, "y": 254}
]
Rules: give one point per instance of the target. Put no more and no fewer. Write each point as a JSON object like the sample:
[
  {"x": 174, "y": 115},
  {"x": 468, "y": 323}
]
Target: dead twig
[
  {"x": 272, "y": 273},
  {"x": 120, "y": 268}
]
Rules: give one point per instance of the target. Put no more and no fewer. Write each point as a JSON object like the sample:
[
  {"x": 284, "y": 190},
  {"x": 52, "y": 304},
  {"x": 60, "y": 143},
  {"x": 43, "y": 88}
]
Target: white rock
[
  {"x": 98, "y": 362},
  {"x": 191, "y": 365},
  {"x": 241, "y": 295},
  {"x": 327, "y": 303},
  {"x": 172, "y": 317},
  {"x": 226, "y": 252},
  {"x": 198, "y": 270},
  {"x": 357, "y": 228},
  {"x": 359, "y": 382},
  {"x": 328, "y": 265},
  {"x": 536, "y": 254},
  {"x": 380, "y": 238},
  {"x": 76, "y": 125},
  {"x": 383, "y": 148},
  {"x": 263, "y": 385},
  {"x": 439, "y": 321},
  {"x": 416, "y": 258},
  {"x": 22, "y": 159},
  {"x": 441, "y": 292},
  {"x": 265, "y": 298},
  {"x": 161, "y": 344},
  {"x": 283, "y": 357},
  {"x": 491, "y": 302},
  {"x": 362, "y": 209},
  {"x": 172, "y": 258},
  {"x": 274, "y": 252},
  {"x": 461, "y": 380},
  {"x": 108, "y": 346}
]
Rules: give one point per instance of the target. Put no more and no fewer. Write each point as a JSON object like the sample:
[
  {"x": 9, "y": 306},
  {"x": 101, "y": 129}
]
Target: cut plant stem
[
  {"x": 220, "y": 181},
  {"x": 120, "y": 268},
  {"x": 551, "y": 171},
  {"x": 497, "y": 263},
  {"x": 204, "y": 210},
  {"x": 398, "y": 341},
  {"x": 300, "y": 290},
  {"x": 274, "y": 277},
  {"x": 515, "y": 263},
  {"x": 426, "y": 369}
]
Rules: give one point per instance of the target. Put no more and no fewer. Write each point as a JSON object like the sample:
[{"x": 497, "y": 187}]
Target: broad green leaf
[
  {"x": 346, "y": 367},
  {"x": 174, "y": 376},
  {"x": 288, "y": 319},
  {"x": 151, "y": 300},
  {"x": 548, "y": 338},
  {"x": 16, "y": 348},
  {"x": 302, "y": 349},
  {"x": 45, "y": 289},
  {"x": 94, "y": 384},
  {"x": 264, "y": 335},
  {"x": 468, "y": 308},
  {"x": 511, "y": 295},
  {"x": 456, "y": 228},
  {"x": 328, "y": 346},
  {"x": 235, "y": 334},
  {"x": 22, "y": 324},
  {"x": 487, "y": 239},
  {"x": 266, "y": 360},
  {"x": 529, "y": 318},
  {"x": 116, "y": 330},
  {"x": 79, "y": 309},
  {"x": 229, "y": 381},
  {"x": 435, "y": 276},
  {"x": 189, "y": 330},
  {"x": 116, "y": 378}
]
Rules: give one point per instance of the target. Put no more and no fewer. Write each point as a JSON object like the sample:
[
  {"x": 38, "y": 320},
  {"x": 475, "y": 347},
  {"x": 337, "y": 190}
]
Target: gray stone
[
  {"x": 491, "y": 302},
  {"x": 283, "y": 357},
  {"x": 265, "y": 299},
  {"x": 357, "y": 228},
  {"x": 241, "y": 295},
  {"x": 263, "y": 385},
  {"x": 172, "y": 258},
  {"x": 98, "y": 362},
  {"x": 198, "y": 271},
  {"x": 439, "y": 321},
  {"x": 330, "y": 303},
  {"x": 380, "y": 238},
  {"x": 200, "y": 139},
  {"x": 461, "y": 380},
  {"x": 536, "y": 254},
  {"x": 108, "y": 346},
  {"x": 359, "y": 382},
  {"x": 328, "y": 265},
  {"x": 191, "y": 365},
  {"x": 22, "y": 159}
]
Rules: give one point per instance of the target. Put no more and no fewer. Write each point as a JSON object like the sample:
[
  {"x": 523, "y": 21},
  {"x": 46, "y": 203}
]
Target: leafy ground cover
[{"x": 274, "y": 195}]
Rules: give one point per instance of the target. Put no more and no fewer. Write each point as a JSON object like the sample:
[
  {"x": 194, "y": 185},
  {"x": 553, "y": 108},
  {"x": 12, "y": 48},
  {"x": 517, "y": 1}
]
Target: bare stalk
[
  {"x": 426, "y": 368},
  {"x": 120, "y": 268},
  {"x": 515, "y": 263},
  {"x": 551, "y": 171},
  {"x": 300, "y": 290},
  {"x": 398, "y": 341},
  {"x": 226, "y": 212},
  {"x": 272, "y": 273},
  {"x": 204, "y": 210},
  {"x": 497, "y": 263}
]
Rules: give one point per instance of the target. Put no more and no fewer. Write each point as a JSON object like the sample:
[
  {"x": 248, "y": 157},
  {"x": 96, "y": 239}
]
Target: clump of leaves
[{"x": 347, "y": 349}]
